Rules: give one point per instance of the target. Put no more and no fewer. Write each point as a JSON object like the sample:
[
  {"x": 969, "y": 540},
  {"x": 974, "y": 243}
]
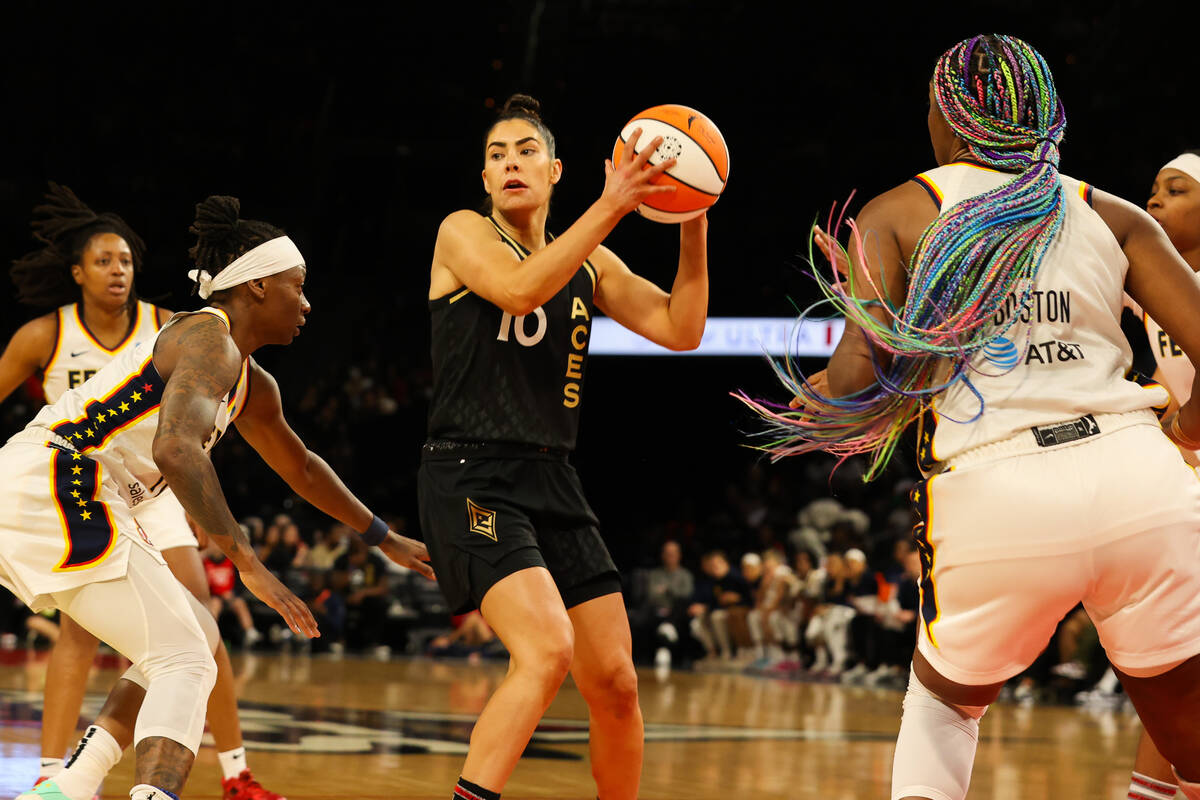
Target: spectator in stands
[
  {"x": 360, "y": 576},
  {"x": 657, "y": 622},
  {"x": 720, "y": 593},
  {"x": 222, "y": 584},
  {"x": 330, "y": 544},
  {"x": 768, "y": 620},
  {"x": 470, "y": 638}
]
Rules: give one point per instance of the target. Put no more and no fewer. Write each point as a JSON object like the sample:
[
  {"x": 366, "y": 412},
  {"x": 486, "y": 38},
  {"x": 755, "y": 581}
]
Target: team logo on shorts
[{"x": 480, "y": 520}]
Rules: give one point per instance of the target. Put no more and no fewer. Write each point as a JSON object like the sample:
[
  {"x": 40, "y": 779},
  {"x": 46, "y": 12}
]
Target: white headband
[
  {"x": 269, "y": 258},
  {"x": 1188, "y": 164}
]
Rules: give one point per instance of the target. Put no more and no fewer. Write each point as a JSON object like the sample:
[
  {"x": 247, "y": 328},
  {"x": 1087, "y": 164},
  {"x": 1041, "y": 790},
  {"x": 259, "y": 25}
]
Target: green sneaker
[{"x": 46, "y": 790}]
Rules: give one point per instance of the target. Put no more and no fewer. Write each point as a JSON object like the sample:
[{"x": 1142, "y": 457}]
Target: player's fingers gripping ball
[{"x": 702, "y": 160}]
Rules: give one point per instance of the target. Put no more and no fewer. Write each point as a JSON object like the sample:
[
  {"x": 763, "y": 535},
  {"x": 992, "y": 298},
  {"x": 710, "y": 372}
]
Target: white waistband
[{"x": 1053, "y": 436}]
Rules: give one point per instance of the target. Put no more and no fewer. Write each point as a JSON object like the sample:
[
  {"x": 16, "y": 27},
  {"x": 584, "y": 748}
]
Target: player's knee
[
  {"x": 193, "y": 663},
  {"x": 619, "y": 689}
]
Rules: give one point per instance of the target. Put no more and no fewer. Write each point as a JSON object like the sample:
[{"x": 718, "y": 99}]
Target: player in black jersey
[{"x": 505, "y": 518}]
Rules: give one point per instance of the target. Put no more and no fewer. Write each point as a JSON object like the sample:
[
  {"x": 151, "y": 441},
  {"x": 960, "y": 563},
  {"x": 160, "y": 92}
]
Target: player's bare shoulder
[
  {"x": 36, "y": 339},
  {"x": 461, "y": 235},
  {"x": 201, "y": 342}
]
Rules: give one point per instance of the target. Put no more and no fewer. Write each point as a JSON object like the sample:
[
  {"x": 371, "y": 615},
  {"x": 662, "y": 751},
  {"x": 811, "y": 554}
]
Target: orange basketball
[{"x": 702, "y": 160}]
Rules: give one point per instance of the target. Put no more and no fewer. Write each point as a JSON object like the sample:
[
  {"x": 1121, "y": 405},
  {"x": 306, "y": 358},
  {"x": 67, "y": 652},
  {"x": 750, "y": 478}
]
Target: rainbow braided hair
[{"x": 998, "y": 96}]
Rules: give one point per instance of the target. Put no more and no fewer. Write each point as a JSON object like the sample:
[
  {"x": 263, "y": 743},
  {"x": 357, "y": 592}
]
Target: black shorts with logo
[{"x": 489, "y": 510}]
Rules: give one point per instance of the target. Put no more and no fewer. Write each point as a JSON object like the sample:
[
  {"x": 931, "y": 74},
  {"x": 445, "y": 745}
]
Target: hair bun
[
  {"x": 522, "y": 104},
  {"x": 217, "y": 219}
]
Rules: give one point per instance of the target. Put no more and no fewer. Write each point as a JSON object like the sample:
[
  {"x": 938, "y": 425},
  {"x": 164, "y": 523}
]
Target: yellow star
[
  {"x": 74, "y": 493},
  {"x": 86, "y": 515},
  {"x": 99, "y": 418},
  {"x": 75, "y": 470},
  {"x": 75, "y": 456},
  {"x": 81, "y": 503},
  {"x": 77, "y": 482},
  {"x": 124, "y": 406},
  {"x": 136, "y": 396},
  {"x": 90, "y": 433},
  {"x": 77, "y": 435}
]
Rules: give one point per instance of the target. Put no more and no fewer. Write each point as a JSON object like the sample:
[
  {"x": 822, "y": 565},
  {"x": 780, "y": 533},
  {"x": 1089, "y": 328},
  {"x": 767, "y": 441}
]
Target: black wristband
[{"x": 376, "y": 532}]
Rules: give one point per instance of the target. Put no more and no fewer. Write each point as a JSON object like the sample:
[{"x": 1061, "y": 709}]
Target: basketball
[{"x": 702, "y": 165}]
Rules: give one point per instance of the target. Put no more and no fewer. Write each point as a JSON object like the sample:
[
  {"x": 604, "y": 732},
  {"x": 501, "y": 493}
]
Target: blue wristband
[{"x": 376, "y": 532}]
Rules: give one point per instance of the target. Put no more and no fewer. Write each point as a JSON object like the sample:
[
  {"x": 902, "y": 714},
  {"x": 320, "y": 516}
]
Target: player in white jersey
[
  {"x": 87, "y": 268},
  {"x": 1175, "y": 205},
  {"x": 77, "y": 474},
  {"x": 992, "y": 287}
]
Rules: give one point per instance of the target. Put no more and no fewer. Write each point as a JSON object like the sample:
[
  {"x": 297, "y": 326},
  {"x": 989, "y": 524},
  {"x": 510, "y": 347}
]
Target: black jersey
[{"x": 499, "y": 378}]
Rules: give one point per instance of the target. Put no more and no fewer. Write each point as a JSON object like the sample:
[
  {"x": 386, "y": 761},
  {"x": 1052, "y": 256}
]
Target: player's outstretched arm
[
  {"x": 263, "y": 426},
  {"x": 201, "y": 364},
  {"x": 467, "y": 253},
  {"x": 674, "y": 321},
  {"x": 26, "y": 353}
]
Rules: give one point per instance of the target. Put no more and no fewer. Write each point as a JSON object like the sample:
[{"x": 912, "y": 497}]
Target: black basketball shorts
[{"x": 488, "y": 511}]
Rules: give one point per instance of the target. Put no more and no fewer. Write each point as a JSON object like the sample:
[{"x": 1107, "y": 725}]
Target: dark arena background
[{"x": 357, "y": 128}]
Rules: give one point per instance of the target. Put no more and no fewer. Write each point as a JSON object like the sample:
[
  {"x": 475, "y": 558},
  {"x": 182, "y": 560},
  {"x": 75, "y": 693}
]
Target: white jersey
[
  {"x": 1058, "y": 373},
  {"x": 1174, "y": 367},
  {"x": 112, "y": 418},
  {"x": 78, "y": 355}
]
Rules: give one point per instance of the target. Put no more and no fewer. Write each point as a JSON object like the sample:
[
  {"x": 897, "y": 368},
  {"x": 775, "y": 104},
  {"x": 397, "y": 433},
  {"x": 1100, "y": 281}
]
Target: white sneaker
[
  {"x": 667, "y": 631},
  {"x": 251, "y": 637},
  {"x": 662, "y": 657},
  {"x": 855, "y": 674},
  {"x": 383, "y": 652}
]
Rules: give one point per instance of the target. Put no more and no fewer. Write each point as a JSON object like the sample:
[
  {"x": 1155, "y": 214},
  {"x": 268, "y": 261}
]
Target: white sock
[
  {"x": 95, "y": 755},
  {"x": 49, "y": 767},
  {"x": 233, "y": 762},
  {"x": 1143, "y": 787}
]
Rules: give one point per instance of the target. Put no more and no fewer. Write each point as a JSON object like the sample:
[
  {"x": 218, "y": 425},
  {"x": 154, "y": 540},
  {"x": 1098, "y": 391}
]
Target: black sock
[{"x": 465, "y": 790}]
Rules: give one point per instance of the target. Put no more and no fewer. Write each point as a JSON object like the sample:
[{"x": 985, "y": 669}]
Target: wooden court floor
[{"x": 322, "y": 728}]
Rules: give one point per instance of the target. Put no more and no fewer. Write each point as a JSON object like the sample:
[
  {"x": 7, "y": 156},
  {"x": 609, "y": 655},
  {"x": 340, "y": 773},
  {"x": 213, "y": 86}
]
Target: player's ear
[
  {"x": 77, "y": 274},
  {"x": 556, "y": 169},
  {"x": 257, "y": 288}
]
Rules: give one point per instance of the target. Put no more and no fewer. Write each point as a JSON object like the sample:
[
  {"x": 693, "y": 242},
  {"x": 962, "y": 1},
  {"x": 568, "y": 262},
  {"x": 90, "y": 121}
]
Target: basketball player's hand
[
  {"x": 408, "y": 553},
  {"x": 819, "y": 383},
  {"x": 266, "y": 587},
  {"x": 628, "y": 184}
]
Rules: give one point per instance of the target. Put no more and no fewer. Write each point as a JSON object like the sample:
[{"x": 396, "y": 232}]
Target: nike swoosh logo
[
  {"x": 77, "y": 355},
  {"x": 691, "y": 119}
]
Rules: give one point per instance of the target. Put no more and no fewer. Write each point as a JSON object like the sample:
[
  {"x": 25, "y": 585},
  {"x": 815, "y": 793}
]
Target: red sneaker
[{"x": 244, "y": 787}]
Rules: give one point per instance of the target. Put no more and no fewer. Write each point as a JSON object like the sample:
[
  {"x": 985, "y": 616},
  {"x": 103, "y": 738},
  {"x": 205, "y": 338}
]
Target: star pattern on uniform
[
  {"x": 81, "y": 503},
  {"x": 77, "y": 435},
  {"x": 77, "y": 482},
  {"x": 90, "y": 433},
  {"x": 147, "y": 387},
  {"x": 86, "y": 515},
  {"x": 136, "y": 397},
  {"x": 124, "y": 407},
  {"x": 76, "y": 456},
  {"x": 100, "y": 417},
  {"x": 74, "y": 493},
  {"x": 75, "y": 470}
]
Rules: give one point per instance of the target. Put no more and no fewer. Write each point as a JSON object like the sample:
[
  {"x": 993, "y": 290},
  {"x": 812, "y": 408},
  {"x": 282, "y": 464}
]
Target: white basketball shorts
[
  {"x": 164, "y": 522},
  {"x": 1010, "y": 545}
]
